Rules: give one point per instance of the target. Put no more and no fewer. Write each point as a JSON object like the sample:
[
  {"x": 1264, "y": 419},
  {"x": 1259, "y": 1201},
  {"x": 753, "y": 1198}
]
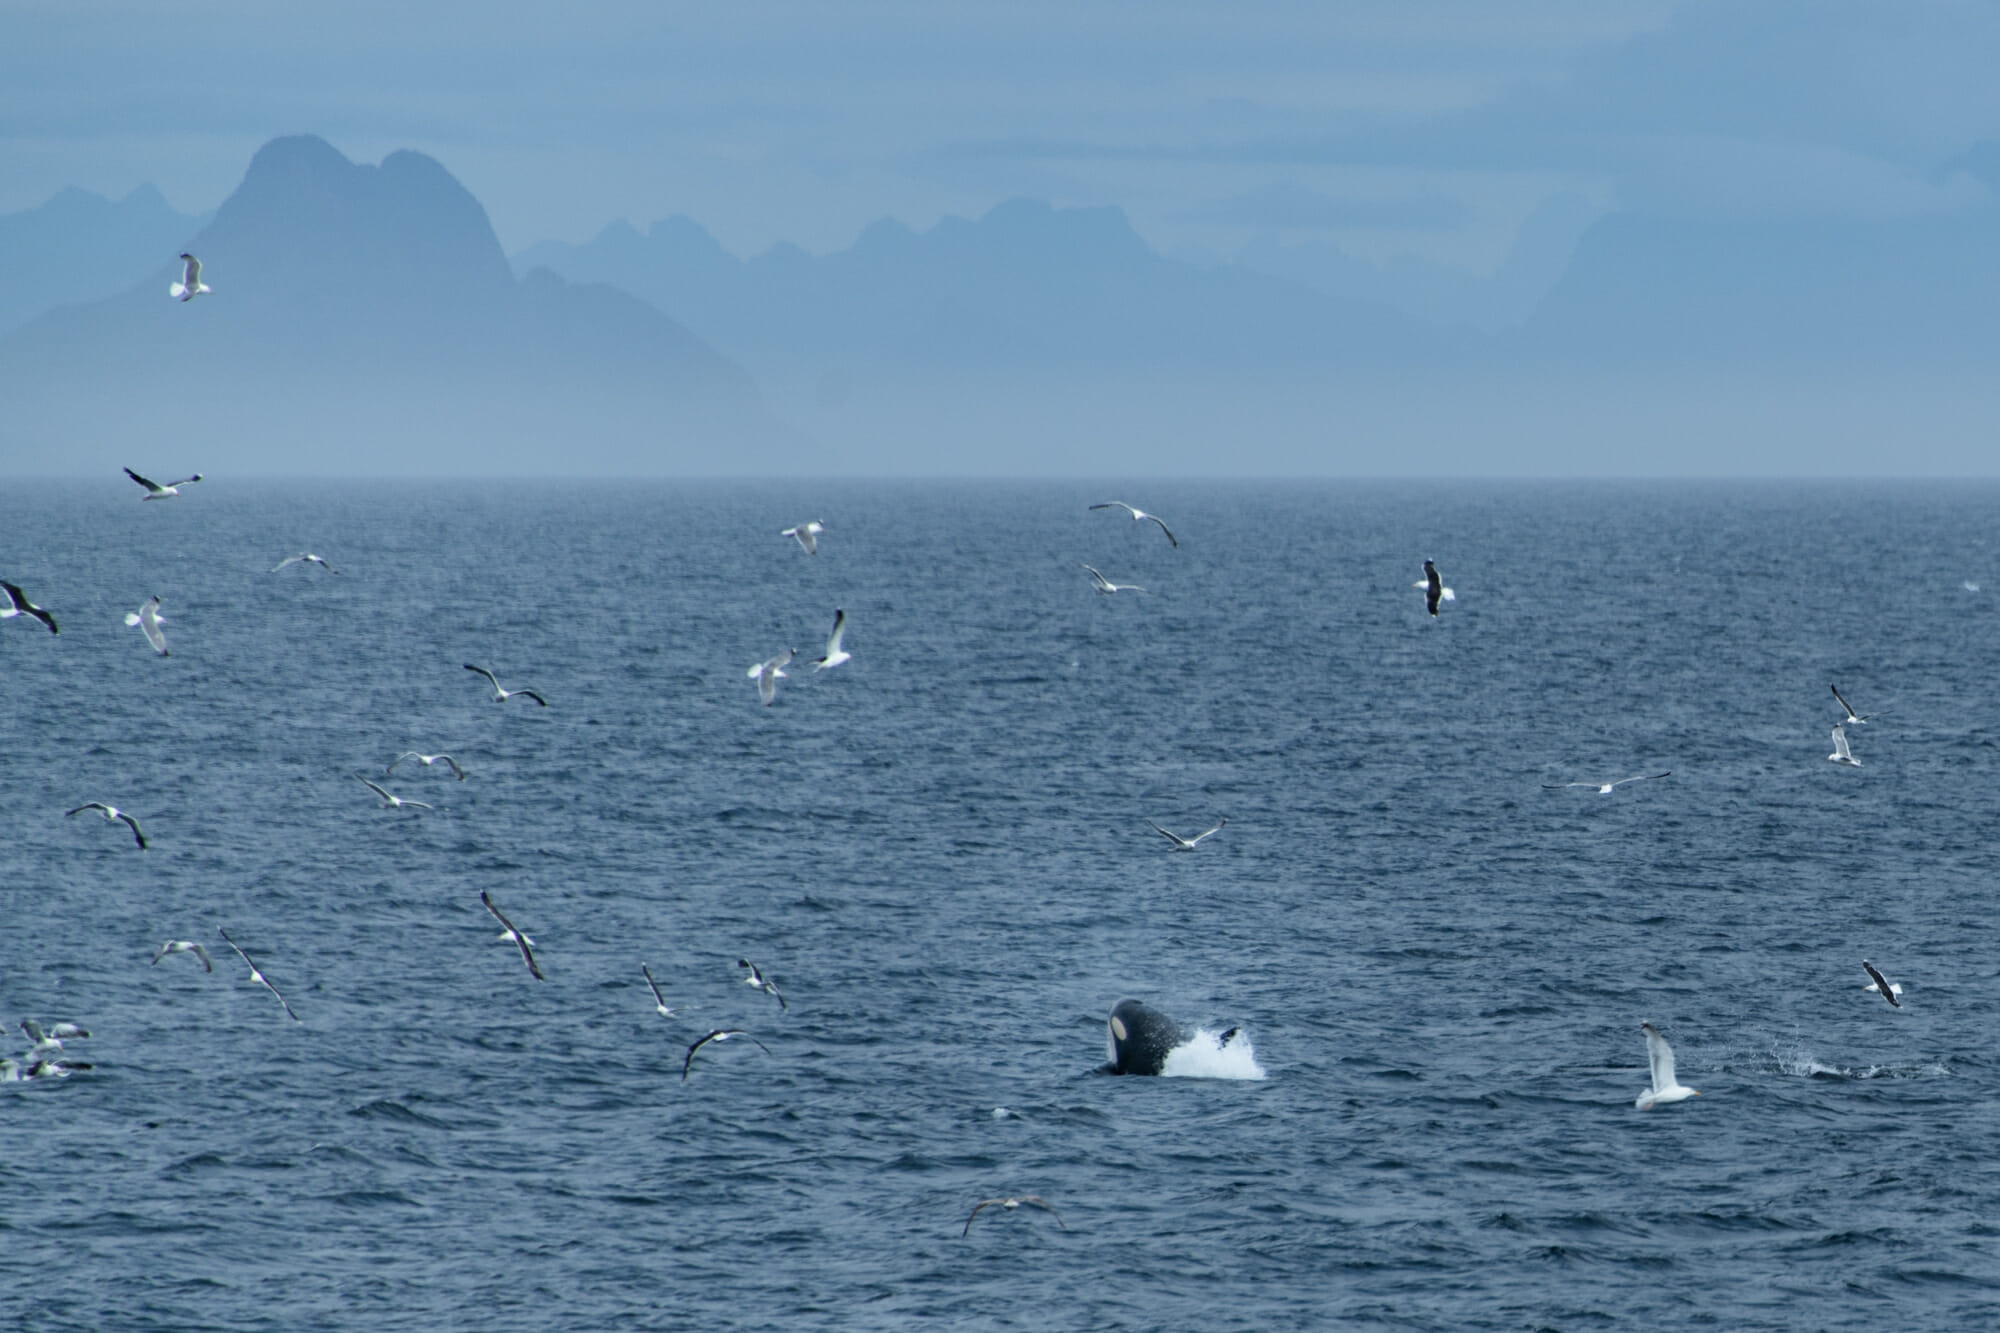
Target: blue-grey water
[{"x": 939, "y": 853}]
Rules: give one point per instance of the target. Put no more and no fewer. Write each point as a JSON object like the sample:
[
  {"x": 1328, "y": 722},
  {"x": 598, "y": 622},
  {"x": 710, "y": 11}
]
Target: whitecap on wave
[{"x": 1204, "y": 1055}]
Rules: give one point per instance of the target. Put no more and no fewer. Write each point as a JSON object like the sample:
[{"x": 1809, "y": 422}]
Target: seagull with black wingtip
[
  {"x": 517, "y": 938},
  {"x": 1010, "y": 1205},
  {"x": 756, "y": 979},
  {"x": 718, "y": 1036},
  {"x": 1140, "y": 516},
  {"x": 155, "y": 491},
  {"x": 113, "y": 814},
  {"x": 256, "y": 975},
  {"x": 17, "y": 604},
  {"x": 501, "y": 696}
]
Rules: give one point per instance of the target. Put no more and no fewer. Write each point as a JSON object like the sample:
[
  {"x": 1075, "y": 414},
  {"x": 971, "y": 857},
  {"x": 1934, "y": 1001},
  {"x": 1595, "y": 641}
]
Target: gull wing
[
  {"x": 839, "y": 628},
  {"x": 372, "y": 787},
  {"x": 654, "y": 986},
  {"x": 1174, "y": 838},
  {"x": 22, "y": 604},
  {"x": 1660, "y": 1056},
  {"x": 138, "y": 834},
  {"x": 1172, "y": 540},
  {"x": 1840, "y": 743},
  {"x": 1217, "y": 829},
  {"x": 152, "y": 487},
  {"x": 520, "y": 940},
  {"x": 1882, "y": 984}
]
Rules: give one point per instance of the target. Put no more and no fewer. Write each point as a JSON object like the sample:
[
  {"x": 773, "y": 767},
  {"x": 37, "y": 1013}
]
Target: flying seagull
[
  {"x": 51, "y": 1040},
  {"x": 184, "y": 946},
  {"x": 307, "y": 558},
  {"x": 719, "y": 1035},
  {"x": 1853, "y": 718},
  {"x": 1434, "y": 590},
  {"x": 1841, "y": 754},
  {"x": 1185, "y": 844},
  {"x": 190, "y": 285},
  {"x": 1104, "y": 585},
  {"x": 1604, "y": 788},
  {"x": 1661, "y": 1056},
  {"x": 756, "y": 979},
  {"x": 111, "y": 813},
  {"x": 659, "y": 1000},
  {"x": 517, "y": 938},
  {"x": 426, "y": 760},
  {"x": 835, "y": 654},
  {"x": 1881, "y": 985},
  {"x": 767, "y": 674},
  {"x": 501, "y": 696},
  {"x": 391, "y": 802},
  {"x": 1010, "y": 1205},
  {"x": 808, "y": 535},
  {"x": 1138, "y": 515},
  {"x": 255, "y": 975},
  {"x": 155, "y": 491},
  {"x": 17, "y": 603},
  {"x": 148, "y": 619}
]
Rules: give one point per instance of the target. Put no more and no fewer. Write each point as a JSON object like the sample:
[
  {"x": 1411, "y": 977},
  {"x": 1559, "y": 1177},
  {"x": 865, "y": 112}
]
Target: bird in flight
[
  {"x": 659, "y": 1001},
  {"x": 767, "y": 674},
  {"x": 184, "y": 946},
  {"x": 112, "y": 813},
  {"x": 426, "y": 760},
  {"x": 501, "y": 696},
  {"x": 307, "y": 558},
  {"x": 808, "y": 535},
  {"x": 1434, "y": 590},
  {"x": 1665, "y": 1087},
  {"x": 1010, "y": 1205},
  {"x": 834, "y": 654},
  {"x": 1104, "y": 585},
  {"x": 1185, "y": 844},
  {"x": 1841, "y": 754},
  {"x": 718, "y": 1036},
  {"x": 1604, "y": 788},
  {"x": 190, "y": 285},
  {"x": 1139, "y": 515},
  {"x": 392, "y": 802},
  {"x": 756, "y": 979},
  {"x": 148, "y": 619},
  {"x": 518, "y": 939},
  {"x": 17, "y": 604},
  {"x": 155, "y": 491},
  {"x": 1881, "y": 985},
  {"x": 1853, "y": 718},
  {"x": 256, "y": 975}
]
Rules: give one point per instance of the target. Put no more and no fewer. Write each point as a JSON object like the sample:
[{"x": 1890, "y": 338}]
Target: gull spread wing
[{"x": 1660, "y": 1056}]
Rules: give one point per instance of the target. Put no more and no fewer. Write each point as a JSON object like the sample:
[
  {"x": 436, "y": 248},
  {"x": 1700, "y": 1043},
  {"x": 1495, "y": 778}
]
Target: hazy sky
[{"x": 1395, "y": 127}]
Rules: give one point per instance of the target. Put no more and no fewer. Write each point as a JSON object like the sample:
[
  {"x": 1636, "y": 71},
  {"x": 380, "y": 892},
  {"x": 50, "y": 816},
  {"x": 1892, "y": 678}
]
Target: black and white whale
[{"x": 1141, "y": 1039}]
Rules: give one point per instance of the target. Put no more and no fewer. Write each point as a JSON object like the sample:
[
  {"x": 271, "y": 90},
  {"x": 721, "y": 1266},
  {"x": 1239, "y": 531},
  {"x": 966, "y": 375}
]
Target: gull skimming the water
[
  {"x": 184, "y": 946},
  {"x": 659, "y": 1001},
  {"x": 1881, "y": 985},
  {"x": 1604, "y": 788},
  {"x": 308, "y": 558},
  {"x": 834, "y": 654},
  {"x": 767, "y": 674},
  {"x": 426, "y": 760},
  {"x": 1139, "y": 515},
  {"x": 1186, "y": 844},
  {"x": 17, "y": 604},
  {"x": 1841, "y": 754},
  {"x": 155, "y": 491},
  {"x": 517, "y": 938},
  {"x": 1853, "y": 718},
  {"x": 1010, "y": 1205},
  {"x": 1434, "y": 590},
  {"x": 718, "y": 1036},
  {"x": 808, "y": 535},
  {"x": 111, "y": 814},
  {"x": 190, "y": 285},
  {"x": 51, "y": 1040},
  {"x": 391, "y": 802},
  {"x": 1665, "y": 1088},
  {"x": 501, "y": 696},
  {"x": 148, "y": 619},
  {"x": 756, "y": 979},
  {"x": 256, "y": 975},
  {"x": 1106, "y": 586}
]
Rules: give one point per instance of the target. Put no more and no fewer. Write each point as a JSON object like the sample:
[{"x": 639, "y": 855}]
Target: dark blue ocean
[{"x": 939, "y": 854}]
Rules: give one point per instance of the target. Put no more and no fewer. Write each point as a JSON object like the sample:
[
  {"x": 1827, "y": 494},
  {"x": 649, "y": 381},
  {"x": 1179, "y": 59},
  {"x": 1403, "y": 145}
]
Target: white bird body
[
  {"x": 426, "y": 760},
  {"x": 1841, "y": 754},
  {"x": 148, "y": 619},
  {"x": 390, "y": 802},
  {"x": 768, "y": 673},
  {"x": 190, "y": 285},
  {"x": 1103, "y": 585},
  {"x": 834, "y": 654},
  {"x": 1666, "y": 1088},
  {"x": 307, "y": 558},
  {"x": 1186, "y": 844},
  {"x": 807, "y": 534},
  {"x": 155, "y": 491},
  {"x": 1140, "y": 516},
  {"x": 757, "y": 981},
  {"x": 184, "y": 946}
]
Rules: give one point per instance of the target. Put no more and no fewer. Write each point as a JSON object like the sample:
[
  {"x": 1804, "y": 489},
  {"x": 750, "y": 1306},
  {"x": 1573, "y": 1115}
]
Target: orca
[{"x": 1141, "y": 1037}]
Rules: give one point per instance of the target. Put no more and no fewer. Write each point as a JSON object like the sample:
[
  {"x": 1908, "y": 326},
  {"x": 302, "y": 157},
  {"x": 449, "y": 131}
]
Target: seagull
[
  {"x": 148, "y": 619},
  {"x": 1881, "y": 985},
  {"x": 1137, "y": 515},
  {"x": 1664, "y": 1088},
  {"x": 1010, "y": 1205},
  {"x": 307, "y": 558},
  {"x": 766, "y": 674},
  {"x": 112, "y": 812},
  {"x": 1434, "y": 590},
  {"x": 392, "y": 802},
  {"x": 1604, "y": 788},
  {"x": 255, "y": 975},
  {"x": 17, "y": 603},
  {"x": 1841, "y": 754},
  {"x": 808, "y": 535},
  {"x": 659, "y": 1000},
  {"x": 55, "y": 1068},
  {"x": 1853, "y": 718},
  {"x": 517, "y": 938},
  {"x": 190, "y": 285},
  {"x": 184, "y": 946},
  {"x": 501, "y": 696},
  {"x": 835, "y": 654},
  {"x": 719, "y": 1035},
  {"x": 756, "y": 979},
  {"x": 1104, "y": 585},
  {"x": 155, "y": 491},
  {"x": 48, "y": 1041},
  {"x": 1185, "y": 844},
  {"x": 426, "y": 760}
]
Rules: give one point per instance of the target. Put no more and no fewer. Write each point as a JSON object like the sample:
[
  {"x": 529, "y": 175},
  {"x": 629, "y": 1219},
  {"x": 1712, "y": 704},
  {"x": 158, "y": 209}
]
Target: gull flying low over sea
[
  {"x": 17, "y": 604},
  {"x": 718, "y": 1036},
  {"x": 659, "y": 1001},
  {"x": 1186, "y": 844},
  {"x": 517, "y": 938},
  {"x": 501, "y": 696},
  {"x": 52, "y": 1039},
  {"x": 1604, "y": 788},
  {"x": 808, "y": 535},
  {"x": 256, "y": 975},
  {"x": 426, "y": 760},
  {"x": 148, "y": 619},
  {"x": 1853, "y": 718},
  {"x": 190, "y": 285},
  {"x": 1434, "y": 590},
  {"x": 768, "y": 672},
  {"x": 1665, "y": 1087},
  {"x": 391, "y": 802},
  {"x": 834, "y": 654},
  {"x": 305, "y": 558},
  {"x": 756, "y": 979},
  {"x": 1010, "y": 1205},
  {"x": 1841, "y": 754},
  {"x": 112, "y": 814},
  {"x": 1139, "y": 515},
  {"x": 1106, "y": 586},
  {"x": 184, "y": 946},
  {"x": 155, "y": 491},
  {"x": 1881, "y": 985}
]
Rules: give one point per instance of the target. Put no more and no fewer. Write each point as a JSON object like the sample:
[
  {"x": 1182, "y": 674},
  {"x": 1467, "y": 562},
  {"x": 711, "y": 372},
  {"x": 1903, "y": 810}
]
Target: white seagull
[
  {"x": 517, "y": 938},
  {"x": 756, "y": 979},
  {"x": 1853, "y": 718},
  {"x": 426, "y": 760},
  {"x": 16, "y": 603},
  {"x": 307, "y": 558},
  {"x": 834, "y": 654},
  {"x": 659, "y": 1001},
  {"x": 1661, "y": 1056},
  {"x": 768, "y": 672},
  {"x": 1138, "y": 515},
  {"x": 184, "y": 946},
  {"x": 148, "y": 619},
  {"x": 808, "y": 535},
  {"x": 1104, "y": 585},
  {"x": 1186, "y": 844},
  {"x": 1841, "y": 754},
  {"x": 1881, "y": 985},
  {"x": 1010, "y": 1205},
  {"x": 718, "y": 1036},
  {"x": 51, "y": 1040},
  {"x": 155, "y": 491},
  {"x": 257, "y": 976},
  {"x": 501, "y": 696},
  {"x": 1604, "y": 788},
  {"x": 190, "y": 285},
  {"x": 111, "y": 815},
  {"x": 392, "y": 802},
  {"x": 1434, "y": 590}
]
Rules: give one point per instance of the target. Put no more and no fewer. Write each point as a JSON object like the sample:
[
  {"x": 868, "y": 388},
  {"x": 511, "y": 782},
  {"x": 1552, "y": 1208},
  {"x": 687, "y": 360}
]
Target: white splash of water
[{"x": 1204, "y": 1055}]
